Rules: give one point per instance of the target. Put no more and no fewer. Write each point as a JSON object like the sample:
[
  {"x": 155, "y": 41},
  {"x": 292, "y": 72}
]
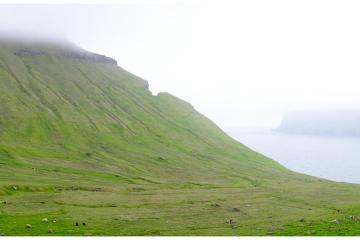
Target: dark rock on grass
[
  {"x": 28, "y": 226},
  {"x": 72, "y": 188},
  {"x": 230, "y": 221},
  {"x": 84, "y": 224},
  {"x": 236, "y": 210},
  {"x": 4, "y": 202},
  {"x": 215, "y": 205},
  {"x": 76, "y": 224},
  {"x": 302, "y": 220}
]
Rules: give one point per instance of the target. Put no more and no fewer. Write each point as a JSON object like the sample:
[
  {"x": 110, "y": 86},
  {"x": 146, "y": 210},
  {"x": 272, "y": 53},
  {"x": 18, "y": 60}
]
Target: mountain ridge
[{"x": 45, "y": 101}]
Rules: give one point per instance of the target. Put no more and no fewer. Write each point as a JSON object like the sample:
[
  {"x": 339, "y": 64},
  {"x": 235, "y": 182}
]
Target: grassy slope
[{"x": 87, "y": 142}]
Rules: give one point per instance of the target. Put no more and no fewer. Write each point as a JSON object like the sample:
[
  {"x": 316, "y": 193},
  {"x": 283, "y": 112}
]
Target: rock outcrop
[
  {"x": 77, "y": 55},
  {"x": 88, "y": 56},
  {"x": 28, "y": 52}
]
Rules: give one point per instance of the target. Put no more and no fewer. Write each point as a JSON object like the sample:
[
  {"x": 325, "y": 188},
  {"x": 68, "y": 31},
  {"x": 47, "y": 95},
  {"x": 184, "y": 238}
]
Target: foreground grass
[{"x": 161, "y": 209}]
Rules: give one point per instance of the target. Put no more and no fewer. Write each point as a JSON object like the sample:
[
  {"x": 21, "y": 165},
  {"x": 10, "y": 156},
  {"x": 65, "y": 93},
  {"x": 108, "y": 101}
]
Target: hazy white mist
[{"x": 241, "y": 63}]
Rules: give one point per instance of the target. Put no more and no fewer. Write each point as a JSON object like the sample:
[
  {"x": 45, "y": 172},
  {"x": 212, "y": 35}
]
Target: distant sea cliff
[{"x": 330, "y": 122}]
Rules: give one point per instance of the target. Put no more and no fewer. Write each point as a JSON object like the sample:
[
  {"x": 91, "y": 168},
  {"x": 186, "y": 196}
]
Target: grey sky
[{"x": 241, "y": 63}]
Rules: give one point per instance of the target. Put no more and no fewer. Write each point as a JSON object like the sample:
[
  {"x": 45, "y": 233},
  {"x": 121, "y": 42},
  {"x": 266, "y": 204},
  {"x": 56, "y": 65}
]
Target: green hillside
[{"x": 84, "y": 141}]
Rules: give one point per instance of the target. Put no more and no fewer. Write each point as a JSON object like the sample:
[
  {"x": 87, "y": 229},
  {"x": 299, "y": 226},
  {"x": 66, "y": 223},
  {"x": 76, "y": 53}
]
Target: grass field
[{"x": 82, "y": 141}]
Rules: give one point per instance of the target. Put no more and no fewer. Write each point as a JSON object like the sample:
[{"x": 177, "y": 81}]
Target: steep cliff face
[{"x": 331, "y": 122}]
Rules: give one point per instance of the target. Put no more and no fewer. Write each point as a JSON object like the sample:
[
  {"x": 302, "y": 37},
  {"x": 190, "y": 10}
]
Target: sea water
[{"x": 330, "y": 157}]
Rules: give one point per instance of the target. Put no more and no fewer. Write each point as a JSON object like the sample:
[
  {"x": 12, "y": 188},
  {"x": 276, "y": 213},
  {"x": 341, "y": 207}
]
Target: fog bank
[{"x": 241, "y": 63}]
